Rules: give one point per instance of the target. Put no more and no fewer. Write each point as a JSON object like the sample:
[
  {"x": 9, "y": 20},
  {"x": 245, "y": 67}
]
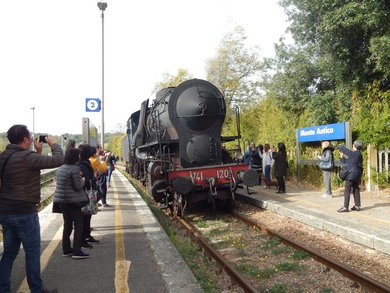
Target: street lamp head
[{"x": 102, "y": 5}]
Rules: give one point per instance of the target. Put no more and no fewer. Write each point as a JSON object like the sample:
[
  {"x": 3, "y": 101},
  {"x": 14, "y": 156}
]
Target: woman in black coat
[
  {"x": 280, "y": 166},
  {"x": 354, "y": 166},
  {"x": 90, "y": 181}
]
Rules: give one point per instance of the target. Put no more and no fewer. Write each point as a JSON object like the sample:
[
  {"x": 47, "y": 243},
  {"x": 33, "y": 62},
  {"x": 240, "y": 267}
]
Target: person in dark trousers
[
  {"x": 354, "y": 166},
  {"x": 70, "y": 196},
  {"x": 20, "y": 192},
  {"x": 110, "y": 160},
  {"x": 99, "y": 166},
  {"x": 90, "y": 182},
  {"x": 326, "y": 165},
  {"x": 256, "y": 161},
  {"x": 280, "y": 165}
]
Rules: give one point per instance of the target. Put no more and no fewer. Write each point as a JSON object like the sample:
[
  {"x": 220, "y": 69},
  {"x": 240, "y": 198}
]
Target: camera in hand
[{"x": 42, "y": 138}]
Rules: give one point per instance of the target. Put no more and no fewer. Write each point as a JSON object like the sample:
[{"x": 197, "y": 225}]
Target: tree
[
  {"x": 172, "y": 80},
  {"x": 352, "y": 35},
  {"x": 236, "y": 70}
]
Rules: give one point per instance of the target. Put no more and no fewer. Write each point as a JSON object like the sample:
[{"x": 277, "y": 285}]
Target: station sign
[
  {"x": 92, "y": 105},
  {"x": 323, "y": 132}
]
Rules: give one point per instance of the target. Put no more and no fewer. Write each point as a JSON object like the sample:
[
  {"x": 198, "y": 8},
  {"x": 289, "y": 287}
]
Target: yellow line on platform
[
  {"x": 122, "y": 266},
  {"x": 45, "y": 257}
]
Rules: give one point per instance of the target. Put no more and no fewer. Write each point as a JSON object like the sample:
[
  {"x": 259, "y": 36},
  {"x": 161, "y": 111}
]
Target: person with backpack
[
  {"x": 327, "y": 165},
  {"x": 354, "y": 168}
]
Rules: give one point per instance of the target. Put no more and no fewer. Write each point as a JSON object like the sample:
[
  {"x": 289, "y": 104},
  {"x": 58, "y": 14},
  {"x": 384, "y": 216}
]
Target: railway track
[
  {"x": 364, "y": 281},
  {"x": 367, "y": 284}
]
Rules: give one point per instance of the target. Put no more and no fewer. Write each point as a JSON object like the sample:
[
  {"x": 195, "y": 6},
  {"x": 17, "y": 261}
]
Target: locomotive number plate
[
  {"x": 223, "y": 173},
  {"x": 197, "y": 175}
]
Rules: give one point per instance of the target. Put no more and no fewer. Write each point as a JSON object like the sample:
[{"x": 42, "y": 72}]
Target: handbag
[
  {"x": 91, "y": 207},
  {"x": 343, "y": 174},
  {"x": 326, "y": 165}
]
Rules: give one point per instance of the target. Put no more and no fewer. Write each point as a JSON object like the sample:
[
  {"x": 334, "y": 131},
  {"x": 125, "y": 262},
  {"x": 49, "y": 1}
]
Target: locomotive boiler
[{"x": 174, "y": 146}]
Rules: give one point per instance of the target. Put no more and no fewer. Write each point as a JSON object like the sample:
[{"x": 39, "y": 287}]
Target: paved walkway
[{"x": 369, "y": 227}]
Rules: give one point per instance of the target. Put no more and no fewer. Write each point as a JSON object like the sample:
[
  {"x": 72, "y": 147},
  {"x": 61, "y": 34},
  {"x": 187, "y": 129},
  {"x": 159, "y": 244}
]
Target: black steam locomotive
[{"x": 174, "y": 147}]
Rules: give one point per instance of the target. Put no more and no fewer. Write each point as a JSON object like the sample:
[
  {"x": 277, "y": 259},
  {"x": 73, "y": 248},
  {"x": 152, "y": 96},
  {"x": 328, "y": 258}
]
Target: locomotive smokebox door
[{"x": 197, "y": 110}]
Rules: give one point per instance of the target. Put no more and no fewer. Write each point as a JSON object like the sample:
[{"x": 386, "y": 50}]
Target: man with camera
[{"x": 20, "y": 192}]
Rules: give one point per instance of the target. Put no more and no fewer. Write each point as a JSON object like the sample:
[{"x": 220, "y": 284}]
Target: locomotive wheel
[{"x": 178, "y": 204}]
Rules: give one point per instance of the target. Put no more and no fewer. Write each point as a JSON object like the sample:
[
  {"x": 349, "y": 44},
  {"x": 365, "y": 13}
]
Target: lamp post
[
  {"x": 33, "y": 129},
  {"x": 102, "y": 6}
]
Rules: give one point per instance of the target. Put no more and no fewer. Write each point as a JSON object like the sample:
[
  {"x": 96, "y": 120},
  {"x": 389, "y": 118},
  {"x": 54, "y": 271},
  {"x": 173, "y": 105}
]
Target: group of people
[
  {"x": 353, "y": 166},
  {"x": 263, "y": 159},
  {"x": 80, "y": 169}
]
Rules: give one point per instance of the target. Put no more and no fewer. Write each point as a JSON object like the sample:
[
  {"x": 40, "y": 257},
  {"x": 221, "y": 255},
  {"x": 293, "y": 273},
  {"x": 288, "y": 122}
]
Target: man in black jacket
[
  {"x": 20, "y": 192},
  {"x": 354, "y": 166}
]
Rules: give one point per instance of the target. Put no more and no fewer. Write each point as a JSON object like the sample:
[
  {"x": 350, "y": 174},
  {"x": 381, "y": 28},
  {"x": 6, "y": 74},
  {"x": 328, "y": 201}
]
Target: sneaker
[
  {"x": 80, "y": 255},
  {"x": 68, "y": 253},
  {"x": 92, "y": 240},
  {"x": 343, "y": 210},
  {"x": 106, "y": 205},
  {"x": 327, "y": 195},
  {"x": 355, "y": 208},
  {"x": 265, "y": 187},
  {"x": 86, "y": 245}
]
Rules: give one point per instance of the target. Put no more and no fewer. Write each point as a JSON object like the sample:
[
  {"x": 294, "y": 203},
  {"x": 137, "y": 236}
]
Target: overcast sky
[{"x": 50, "y": 53}]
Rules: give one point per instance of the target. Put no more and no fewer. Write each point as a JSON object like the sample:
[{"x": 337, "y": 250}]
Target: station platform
[
  {"x": 369, "y": 227},
  {"x": 134, "y": 253}
]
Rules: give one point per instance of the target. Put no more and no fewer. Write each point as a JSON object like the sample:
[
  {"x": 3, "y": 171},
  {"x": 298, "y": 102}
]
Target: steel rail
[
  {"x": 364, "y": 280},
  {"x": 244, "y": 284}
]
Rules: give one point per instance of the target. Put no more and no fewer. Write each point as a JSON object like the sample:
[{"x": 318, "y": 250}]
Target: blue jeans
[
  {"x": 267, "y": 174},
  {"x": 21, "y": 229},
  {"x": 109, "y": 171}
]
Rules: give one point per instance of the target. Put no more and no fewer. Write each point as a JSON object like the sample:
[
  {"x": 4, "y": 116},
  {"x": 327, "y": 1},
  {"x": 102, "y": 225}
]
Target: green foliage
[
  {"x": 287, "y": 266},
  {"x": 254, "y": 271},
  {"x": 371, "y": 115},
  {"x": 265, "y": 122},
  {"x": 351, "y": 35},
  {"x": 172, "y": 80},
  {"x": 300, "y": 254},
  {"x": 278, "y": 288},
  {"x": 114, "y": 144},
  {"x": 236, "y": 69}
]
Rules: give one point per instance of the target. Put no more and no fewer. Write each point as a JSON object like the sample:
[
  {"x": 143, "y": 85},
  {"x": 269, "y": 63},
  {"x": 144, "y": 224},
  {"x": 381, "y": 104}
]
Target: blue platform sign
[
  {"x": 92, "y": 105},
  {"x": 323, "y": 132}
]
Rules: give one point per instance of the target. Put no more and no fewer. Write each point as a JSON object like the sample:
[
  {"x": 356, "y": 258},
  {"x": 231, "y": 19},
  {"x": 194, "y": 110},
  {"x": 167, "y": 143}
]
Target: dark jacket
[
  {"x": 280, "y": 163},
  {"x": 255, "y": 160},
  {"x": 354, "y": 163},
  {"x": 22, "y": 174},
  {"x": 69, "y": 185},
  {"x": 88, "y": 174}
]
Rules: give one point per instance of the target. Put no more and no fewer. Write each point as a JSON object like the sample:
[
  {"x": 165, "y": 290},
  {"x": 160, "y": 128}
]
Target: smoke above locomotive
[{"x": 174, "y": 145}]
